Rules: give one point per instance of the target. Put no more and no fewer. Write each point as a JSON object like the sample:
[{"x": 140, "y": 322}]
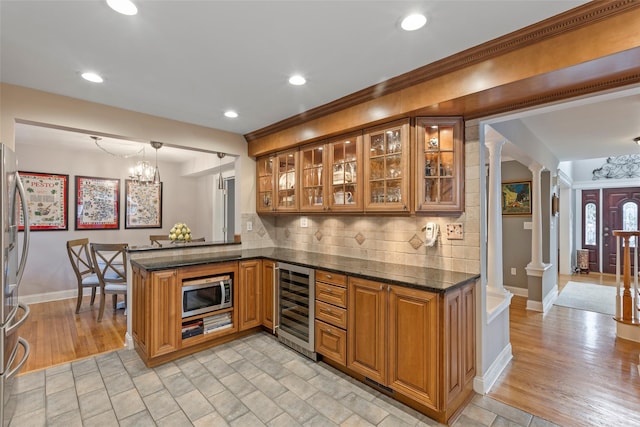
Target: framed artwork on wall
[
  {"x": 516, "y": 198},
  {"x": 97, "y": 203},
  {"x": 47, "y": 198},
  {"x": 143, "y": 205}
]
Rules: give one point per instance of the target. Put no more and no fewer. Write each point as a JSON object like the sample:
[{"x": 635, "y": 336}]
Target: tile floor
[{"x": 254, "y": 381}]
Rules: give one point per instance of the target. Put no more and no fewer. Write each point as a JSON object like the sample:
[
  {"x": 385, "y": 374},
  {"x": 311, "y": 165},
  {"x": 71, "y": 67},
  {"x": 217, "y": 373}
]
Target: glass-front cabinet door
[
  {"x": 439, "y": 165},
  {"x": 312, "y": 192},
  {"x": 345, "y": 179},
  {"x": 264, "y": 192},
  {"x": 286, "y": 181},
  {"x": 386, "y": 163}
]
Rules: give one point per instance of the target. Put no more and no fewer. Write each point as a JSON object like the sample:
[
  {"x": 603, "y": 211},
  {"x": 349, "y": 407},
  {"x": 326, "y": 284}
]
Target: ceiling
[{"x": 193, "y": 60}]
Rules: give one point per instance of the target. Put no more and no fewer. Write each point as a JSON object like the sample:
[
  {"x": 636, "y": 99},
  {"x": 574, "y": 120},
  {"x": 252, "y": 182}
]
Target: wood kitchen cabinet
[
  {"x": 157, "y": 323},
  {"x": 268, "y": 294},
  {"x": 265, "y": 186},
  {"x": 439, "y": 165},
  {"x": 419, "y": 344},
  {"x": 345, "y": 183},
  {"x": 332, "y": 175},
  {"x": 249, "y": 294},
  {"x": 367, "y": 333},
  {"x": 331, "y": 316},
  {"x": 393, "y": 337},
  {"x": 156, "y": 311},
  {"x": 277, "y": 182},
  {"x": 312, "y": 168},
  {"x": 386, "y": 168},
  {"x": 413, "y": 344}
]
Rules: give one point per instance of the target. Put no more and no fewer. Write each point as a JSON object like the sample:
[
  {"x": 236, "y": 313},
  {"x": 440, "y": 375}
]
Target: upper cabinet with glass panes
[
  {"x": 386, "y": 168},
  {"x": 277, "y": 182},
  {"x": 439, "y": 165},
  {"x": 345, "y": 186}
]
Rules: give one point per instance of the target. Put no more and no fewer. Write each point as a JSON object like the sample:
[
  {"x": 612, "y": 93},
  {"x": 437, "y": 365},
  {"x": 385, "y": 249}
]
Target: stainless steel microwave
[{"x": 206, "y": 294}]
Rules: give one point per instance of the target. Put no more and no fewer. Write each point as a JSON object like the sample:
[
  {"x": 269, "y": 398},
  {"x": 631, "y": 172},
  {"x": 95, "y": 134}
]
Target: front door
[
  {"x": 590, "y": 221},
  {"x": 620, "y": 212}
]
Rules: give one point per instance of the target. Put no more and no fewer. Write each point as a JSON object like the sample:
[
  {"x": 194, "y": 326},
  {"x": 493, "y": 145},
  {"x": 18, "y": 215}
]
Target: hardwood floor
[
  {"x": 57, "y": 335},
  {"x": 568, "y": 366}
]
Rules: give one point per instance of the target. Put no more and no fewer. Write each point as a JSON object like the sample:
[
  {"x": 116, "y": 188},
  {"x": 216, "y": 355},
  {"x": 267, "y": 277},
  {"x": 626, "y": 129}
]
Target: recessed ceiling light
[
  {"x": 413, "y": 22},
  {"x": 92, "y": 77},
  {"x": 125, "y": 7},
  {"x": 297, "y": 80},
  {"x": 231, "y": 114}
]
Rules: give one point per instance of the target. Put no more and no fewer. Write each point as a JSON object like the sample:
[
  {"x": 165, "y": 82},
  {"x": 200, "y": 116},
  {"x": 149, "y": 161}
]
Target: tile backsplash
[{"x": 382, "y": 238}]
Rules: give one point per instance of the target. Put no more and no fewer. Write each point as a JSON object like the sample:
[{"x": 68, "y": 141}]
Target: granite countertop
[{"x": 424, "y": 278}]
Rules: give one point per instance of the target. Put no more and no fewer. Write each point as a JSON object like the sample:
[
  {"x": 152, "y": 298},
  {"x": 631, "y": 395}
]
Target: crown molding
[{"x": 565, "y": 22}]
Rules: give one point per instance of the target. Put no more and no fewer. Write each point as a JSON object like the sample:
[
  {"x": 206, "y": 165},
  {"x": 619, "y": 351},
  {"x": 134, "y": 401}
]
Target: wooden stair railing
[{"x": 628, "y": 300}]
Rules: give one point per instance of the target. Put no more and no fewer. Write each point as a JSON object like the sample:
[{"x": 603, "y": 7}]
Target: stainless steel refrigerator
[{"x": 14, "y": 257}]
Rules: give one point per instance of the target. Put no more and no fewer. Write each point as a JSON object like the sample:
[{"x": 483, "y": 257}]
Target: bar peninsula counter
[{"x": 407, "y": 331}]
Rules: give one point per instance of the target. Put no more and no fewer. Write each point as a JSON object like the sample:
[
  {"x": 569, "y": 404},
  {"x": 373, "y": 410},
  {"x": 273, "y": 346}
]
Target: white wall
[{"x": 48, "y": 268}]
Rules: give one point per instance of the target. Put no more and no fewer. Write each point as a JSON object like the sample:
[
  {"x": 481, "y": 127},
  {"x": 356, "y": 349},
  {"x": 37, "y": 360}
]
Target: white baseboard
[
  {"x": 484, "y": 383},
  {"x": 521, "y": 292},
  {"x": 551, "y": 297},
  {"x": 545, "y": 305},
  {"x": 54, "y": 296},
  {"x": 628, "y": 332}
]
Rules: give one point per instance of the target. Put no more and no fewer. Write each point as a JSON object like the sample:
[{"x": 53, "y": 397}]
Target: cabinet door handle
[{"x": 381, "y": 287}]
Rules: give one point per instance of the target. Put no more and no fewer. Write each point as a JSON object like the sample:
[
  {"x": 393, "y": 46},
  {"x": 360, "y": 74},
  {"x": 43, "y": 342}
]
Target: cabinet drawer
[
  {"x": 332, "y": 278},
  {"x": 331, "y": 342},
  {"x": 331, "y": 294},
  {"x": 331, "y": 314}
]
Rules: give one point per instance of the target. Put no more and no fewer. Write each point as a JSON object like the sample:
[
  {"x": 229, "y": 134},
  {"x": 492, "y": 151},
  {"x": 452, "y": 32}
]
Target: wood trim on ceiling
[{"x": 568, "y": 21}]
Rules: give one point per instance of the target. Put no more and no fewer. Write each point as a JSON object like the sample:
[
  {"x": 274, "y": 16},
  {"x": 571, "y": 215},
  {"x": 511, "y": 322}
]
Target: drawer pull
[
  {"x": 328, "y": 330},
  {"x": 327, "y": 310},
  {"x": 328, "y": 290},
  {"x": 329, "y": 276}
]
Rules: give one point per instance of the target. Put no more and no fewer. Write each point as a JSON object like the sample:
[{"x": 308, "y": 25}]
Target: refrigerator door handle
[
  {"x": 25, "y": 240},
  {"x": 25, "y": 344},
  {"x": 27, "y": 310}
]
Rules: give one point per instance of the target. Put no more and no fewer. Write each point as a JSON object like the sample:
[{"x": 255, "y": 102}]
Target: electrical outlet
[
  {"x": 304, "y": 223},
  {"x": 513, "y": 271},
  {"x": 249, "y": 226}
]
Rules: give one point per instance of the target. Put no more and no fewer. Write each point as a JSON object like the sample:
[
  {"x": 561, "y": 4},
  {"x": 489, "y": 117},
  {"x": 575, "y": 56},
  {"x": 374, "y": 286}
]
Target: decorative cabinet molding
[{"x": 439, "y": 163}]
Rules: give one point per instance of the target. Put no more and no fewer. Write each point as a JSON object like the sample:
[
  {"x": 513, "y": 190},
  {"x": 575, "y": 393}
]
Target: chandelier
[{"x": 142, "y": 172}]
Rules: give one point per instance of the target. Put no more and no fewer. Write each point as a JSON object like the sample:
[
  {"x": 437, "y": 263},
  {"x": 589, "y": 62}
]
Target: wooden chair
[
  {"x": 78, "y": 251},
  {"x": 157, "y": 239},
  {"x": 110, "y": 261}
]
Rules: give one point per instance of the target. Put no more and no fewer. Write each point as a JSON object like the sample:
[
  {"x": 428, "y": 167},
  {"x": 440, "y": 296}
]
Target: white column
[
  {"x": 494, "y": 220},
  {"x": 536, "y": 217}
]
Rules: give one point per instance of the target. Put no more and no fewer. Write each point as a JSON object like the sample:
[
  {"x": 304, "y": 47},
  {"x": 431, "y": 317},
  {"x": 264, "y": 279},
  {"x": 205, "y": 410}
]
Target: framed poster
[
  {"x": 47, "y": 198},
  {"x": 516, "y": 198},
  {"x": 143, "y": 205},
  {"x": 97, "y": 203}
]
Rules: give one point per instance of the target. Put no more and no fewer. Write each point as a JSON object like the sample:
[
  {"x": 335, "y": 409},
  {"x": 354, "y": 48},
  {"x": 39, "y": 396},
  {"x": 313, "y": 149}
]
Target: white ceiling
[{"x": 192, "y": 60}]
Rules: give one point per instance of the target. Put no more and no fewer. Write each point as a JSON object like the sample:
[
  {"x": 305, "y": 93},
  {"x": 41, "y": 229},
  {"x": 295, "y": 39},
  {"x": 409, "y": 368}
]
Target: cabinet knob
[
  {"x": 329, "y": 276},
  {"x": 328, "y": 310},
  {"x": 328, "y": 290},
  {"x": 328, "y": 331}
]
